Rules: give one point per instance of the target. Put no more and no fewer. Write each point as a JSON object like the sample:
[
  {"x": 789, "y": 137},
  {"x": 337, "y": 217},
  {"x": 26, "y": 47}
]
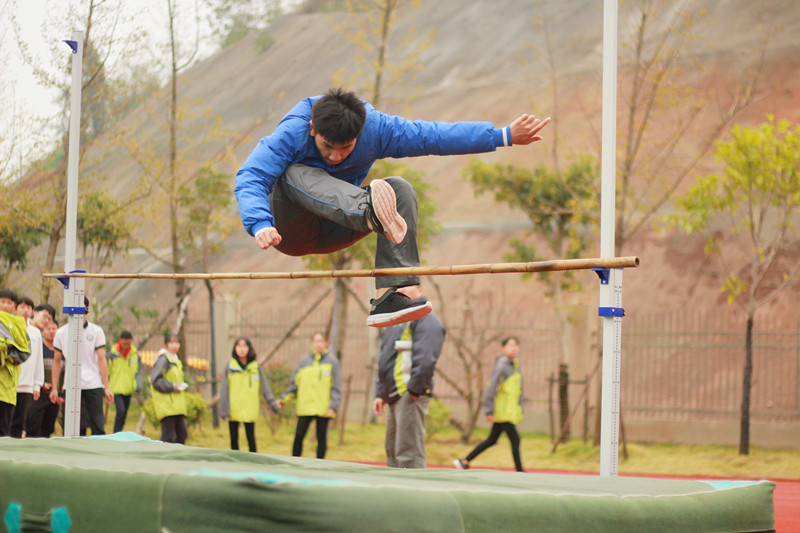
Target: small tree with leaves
[{"x": 748, "y": 214}]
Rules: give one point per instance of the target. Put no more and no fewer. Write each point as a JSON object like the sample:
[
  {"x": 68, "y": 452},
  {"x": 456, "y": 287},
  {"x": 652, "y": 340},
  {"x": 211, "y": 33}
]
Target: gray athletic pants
[
  {"x": 405, "y": 432},
  {"x": 316, "y": 213}
]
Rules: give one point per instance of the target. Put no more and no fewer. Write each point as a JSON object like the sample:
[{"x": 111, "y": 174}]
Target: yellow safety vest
[
  {"x": 244, "y": 391},
  {"x": 122, "y": 372},
  {"x": 506, "y": 399},
  {"x": 170, "y": 403}
]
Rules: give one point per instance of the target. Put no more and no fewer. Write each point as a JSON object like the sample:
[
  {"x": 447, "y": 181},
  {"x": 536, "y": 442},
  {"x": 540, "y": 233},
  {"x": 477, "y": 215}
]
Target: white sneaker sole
[
  {"x": 384, "y": 320},
  {"x": 384, "y": 204}
]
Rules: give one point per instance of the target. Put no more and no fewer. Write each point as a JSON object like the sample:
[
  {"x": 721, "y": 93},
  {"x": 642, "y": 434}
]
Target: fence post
[
  {"x": 550, "y": 381},
  {"x": 563, "y": 400}
]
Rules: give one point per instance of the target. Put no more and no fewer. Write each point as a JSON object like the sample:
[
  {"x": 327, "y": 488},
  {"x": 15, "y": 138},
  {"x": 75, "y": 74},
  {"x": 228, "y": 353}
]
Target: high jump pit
[{"x": 128, "y": 483}]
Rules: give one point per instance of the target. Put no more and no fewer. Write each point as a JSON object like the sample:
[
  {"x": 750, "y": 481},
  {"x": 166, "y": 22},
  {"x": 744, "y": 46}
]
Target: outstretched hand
[
  {"x": 268, "y": 237},
  {"x": 525, "y": 130}
]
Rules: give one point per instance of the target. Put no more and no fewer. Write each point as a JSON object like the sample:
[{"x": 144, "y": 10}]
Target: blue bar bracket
[
  {"x": 73, "y": 45},
  {"x": 611, "y": 311},
  {"x": 65, "y": 279},
  {"x": 603, "y": 274}
]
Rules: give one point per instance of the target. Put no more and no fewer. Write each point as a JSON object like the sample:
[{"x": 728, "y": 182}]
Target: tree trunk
[
  {"x": 563, "y": 402},
  {"x": 50, "y": 260},
  {"x": 213, "y": 358},
  {"x": 341, "y": 326},
  {"x": 747, "y": 383}
]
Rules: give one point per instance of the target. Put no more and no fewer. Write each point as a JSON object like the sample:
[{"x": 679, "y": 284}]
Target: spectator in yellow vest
[
  {"x": 124, "y": 376},
  {"x": 502, "y": 404},
  {"x": 169, "y": 400},
  {"x": 317, "y": 383},
  {"x": 240, "y": 397}
]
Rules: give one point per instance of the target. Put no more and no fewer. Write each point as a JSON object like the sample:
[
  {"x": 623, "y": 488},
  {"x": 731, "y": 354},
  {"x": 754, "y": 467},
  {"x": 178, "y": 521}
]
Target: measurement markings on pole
[
  {"x": 74, "y": 388},
  {"x": 616, "y": 378}
]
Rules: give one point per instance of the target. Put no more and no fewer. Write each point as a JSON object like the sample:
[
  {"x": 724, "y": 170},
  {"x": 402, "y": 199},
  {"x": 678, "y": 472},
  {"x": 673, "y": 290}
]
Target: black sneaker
[
  {"x": 461, "y": 465},
  {"x": 382, "y": 212},
  {"x": 394, "y": 308}
]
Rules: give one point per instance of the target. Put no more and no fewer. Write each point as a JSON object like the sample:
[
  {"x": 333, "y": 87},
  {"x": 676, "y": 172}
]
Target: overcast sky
[{"x": 45, "y": 23}]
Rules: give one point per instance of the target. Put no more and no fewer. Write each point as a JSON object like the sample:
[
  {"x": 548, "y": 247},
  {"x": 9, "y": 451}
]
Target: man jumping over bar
[{"x": 300, "y": 190}]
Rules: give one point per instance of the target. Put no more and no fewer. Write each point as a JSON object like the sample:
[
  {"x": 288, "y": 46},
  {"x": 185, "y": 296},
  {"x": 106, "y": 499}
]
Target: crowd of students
[
  {"x": 32, "y": 383},
  {"x": 33, "y": 366},
  {"x": 32, "y": 370}
]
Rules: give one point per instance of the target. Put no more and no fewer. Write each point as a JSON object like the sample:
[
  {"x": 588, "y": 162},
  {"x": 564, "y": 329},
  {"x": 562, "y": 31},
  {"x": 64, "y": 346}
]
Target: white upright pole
[
  {"x": 611, "y": 286},
  {"x": 74, "y": 291}
]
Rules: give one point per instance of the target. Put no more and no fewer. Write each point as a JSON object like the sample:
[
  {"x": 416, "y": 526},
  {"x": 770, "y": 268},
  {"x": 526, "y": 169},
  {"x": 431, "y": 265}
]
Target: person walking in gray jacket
[{"x": 407, "y": 361}]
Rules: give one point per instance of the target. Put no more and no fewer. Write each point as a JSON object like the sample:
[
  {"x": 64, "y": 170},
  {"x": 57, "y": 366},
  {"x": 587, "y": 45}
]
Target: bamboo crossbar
[{"x": 557, "y": 265}]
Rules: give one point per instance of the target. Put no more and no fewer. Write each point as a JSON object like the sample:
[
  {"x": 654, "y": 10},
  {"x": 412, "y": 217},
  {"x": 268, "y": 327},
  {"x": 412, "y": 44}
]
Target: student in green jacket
[
  {"x": 169, "y": 400},
  {"x": 502, "y": 404},
  {"x": 317, "y": 383},
  {"x": 124, "y": 376},
  {"x": 14, "y": 350},
  {"x": 240, "y": 397}
]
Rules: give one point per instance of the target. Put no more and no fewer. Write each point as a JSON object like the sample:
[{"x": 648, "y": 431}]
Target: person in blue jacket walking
[{"x": 300, "y": 190}]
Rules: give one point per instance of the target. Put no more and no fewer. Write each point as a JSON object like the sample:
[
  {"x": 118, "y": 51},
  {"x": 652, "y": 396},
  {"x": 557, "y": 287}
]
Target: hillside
[{"x": 484, "y": 64}]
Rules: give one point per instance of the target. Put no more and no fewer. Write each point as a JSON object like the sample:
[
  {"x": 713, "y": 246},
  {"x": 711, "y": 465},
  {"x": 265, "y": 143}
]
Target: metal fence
[{"x": 689, "y": 366}]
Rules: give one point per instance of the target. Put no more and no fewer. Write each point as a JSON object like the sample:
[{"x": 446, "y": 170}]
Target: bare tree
[
  {"x": 667, "y": 125},
  {"x": 41, "y": 188},
  {"x": 469, "y": 329}
]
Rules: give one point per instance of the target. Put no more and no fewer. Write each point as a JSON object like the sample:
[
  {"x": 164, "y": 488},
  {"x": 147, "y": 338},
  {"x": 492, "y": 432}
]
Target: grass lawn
[{"x": 364, "y": 443}]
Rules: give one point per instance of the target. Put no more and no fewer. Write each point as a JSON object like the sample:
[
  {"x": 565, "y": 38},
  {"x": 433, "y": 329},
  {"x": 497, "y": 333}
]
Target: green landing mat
[{"x": 128, "y": 483}]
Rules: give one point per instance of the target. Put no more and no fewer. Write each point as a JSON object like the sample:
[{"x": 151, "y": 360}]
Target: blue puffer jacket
[{"x": 383, "y": 136}]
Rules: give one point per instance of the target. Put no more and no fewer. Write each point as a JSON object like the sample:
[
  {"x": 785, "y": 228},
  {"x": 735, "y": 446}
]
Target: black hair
[
  {"x": 46, "y": 307},
  {"x": 509, "y": 338},
  {"x": 25, "y": 300},
  {"x": 126, "y": 335},
  {"x": 251, "y": 352},
  {"x": 11, "y": 295},
  {"x": 169, "y": 336},
  {"x": 86, "y": 301},
  {"x": 339, "y": 116}
]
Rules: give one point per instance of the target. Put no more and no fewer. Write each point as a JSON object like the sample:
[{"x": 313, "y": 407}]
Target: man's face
[
  {"x": 49, "y": 331},
  {"x": 125, "y": 344},
  {"x": 25, "y": 311},
  {"x": 332, "y": 153},
  {"x": 41, "y": 319},
  {"x": 7, "y": 305}
]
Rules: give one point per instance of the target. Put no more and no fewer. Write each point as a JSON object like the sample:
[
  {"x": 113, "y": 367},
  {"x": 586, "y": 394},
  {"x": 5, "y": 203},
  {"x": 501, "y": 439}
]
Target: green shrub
[
  {"x": 196, "y": 408},
  {"x": 278, "y": 375},
  {"x": 438, "y": 418}
]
